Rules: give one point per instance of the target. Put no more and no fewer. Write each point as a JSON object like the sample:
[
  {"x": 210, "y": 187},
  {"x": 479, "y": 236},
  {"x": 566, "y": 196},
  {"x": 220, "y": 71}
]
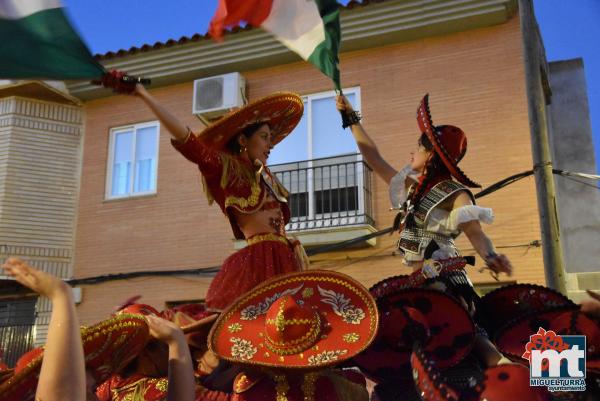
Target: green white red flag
[
  {"x": 37, "y": 41},
  {"x": 310, "y": 28}
]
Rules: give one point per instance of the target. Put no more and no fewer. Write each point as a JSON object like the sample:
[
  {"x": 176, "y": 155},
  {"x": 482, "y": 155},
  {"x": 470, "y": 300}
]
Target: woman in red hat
[
  {"x": 438, "y": 203},
  {"x": 232, "y": 155},
  {"x": 436, "y": 206}
]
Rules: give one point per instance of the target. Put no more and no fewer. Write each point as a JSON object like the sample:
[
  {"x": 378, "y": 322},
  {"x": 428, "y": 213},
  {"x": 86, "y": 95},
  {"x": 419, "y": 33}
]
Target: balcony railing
[{"x": 328, "y": 193}]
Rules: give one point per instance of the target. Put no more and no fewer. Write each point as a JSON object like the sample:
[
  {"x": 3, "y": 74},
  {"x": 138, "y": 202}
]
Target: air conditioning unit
[{"x": 214, "y": 96}]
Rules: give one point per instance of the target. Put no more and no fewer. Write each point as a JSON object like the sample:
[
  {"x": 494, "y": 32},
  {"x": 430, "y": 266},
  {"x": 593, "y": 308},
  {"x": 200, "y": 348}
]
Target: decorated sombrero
[
  {"x": 282, "y": 111},
  {"x": 500, "y": 383},
  {"x": 304, "y": 320},
  {"x": 507, "y": 303},
  {"x": 449, "y": 142},
  {"x": 575, "y": 322},
  {"x": 407, "y": 316},
  {"x": 542, "y": 329},
  {"x": 108, "y": 347}
]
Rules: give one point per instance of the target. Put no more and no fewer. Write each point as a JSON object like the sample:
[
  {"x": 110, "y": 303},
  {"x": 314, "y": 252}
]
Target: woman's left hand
[{"x": 499, "y": 263}]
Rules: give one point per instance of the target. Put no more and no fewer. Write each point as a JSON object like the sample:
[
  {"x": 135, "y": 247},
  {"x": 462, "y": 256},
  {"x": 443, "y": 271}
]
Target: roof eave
[{"x": 368, "y": 26}]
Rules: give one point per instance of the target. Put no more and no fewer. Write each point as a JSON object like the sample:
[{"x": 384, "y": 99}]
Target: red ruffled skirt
[{"x": 250, "y": 266}]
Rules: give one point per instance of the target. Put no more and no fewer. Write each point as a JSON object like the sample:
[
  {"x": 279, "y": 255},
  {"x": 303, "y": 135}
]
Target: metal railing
[
  {"x": 16, "y": 328},
  {"x": 327, "y": 193}
]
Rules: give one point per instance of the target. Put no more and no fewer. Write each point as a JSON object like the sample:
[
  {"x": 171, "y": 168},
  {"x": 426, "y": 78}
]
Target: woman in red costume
[{"x": 232, "y": 155}]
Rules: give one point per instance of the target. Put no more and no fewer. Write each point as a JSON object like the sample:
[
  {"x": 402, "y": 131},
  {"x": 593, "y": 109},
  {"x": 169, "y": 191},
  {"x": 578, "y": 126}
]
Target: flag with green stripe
[
  {"x": 37, "y": 41},
  {"x": 310, "y": 28}
]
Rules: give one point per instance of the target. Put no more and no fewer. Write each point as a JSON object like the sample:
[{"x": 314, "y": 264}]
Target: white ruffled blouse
[{"x": 439, "y": 221}]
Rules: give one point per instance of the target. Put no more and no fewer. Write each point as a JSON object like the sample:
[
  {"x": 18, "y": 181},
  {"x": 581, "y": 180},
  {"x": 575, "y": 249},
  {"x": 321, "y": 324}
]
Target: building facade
[{"x": 142, "y": 207}]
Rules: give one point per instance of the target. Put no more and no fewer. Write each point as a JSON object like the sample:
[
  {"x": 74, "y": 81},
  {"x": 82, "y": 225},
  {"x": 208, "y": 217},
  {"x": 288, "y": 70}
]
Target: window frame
[
  {"x": 307, "y": 99},
  {"x": 111, "y": 157},
  {"x": 311, "y": 206}
]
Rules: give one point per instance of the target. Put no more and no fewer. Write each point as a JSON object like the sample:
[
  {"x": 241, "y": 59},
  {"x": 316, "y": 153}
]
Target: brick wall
[{"x": 475, "y": 80}]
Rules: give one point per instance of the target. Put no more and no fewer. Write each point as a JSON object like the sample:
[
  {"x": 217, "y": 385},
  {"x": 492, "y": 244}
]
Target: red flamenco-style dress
[{"x": 240, "y": 186}]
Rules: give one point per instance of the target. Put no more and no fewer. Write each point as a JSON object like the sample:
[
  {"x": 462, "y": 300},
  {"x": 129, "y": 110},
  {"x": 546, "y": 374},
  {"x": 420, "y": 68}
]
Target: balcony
[{"x": 330, "y": 198}]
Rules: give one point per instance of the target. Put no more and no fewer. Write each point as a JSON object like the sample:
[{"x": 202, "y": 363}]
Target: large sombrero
[
  {"x": 304, "y": 320},
  {"x": 514, "y": 339},
  {"x": 500, "y": 383},
  {"x": 108, "y": 347},
  {"x": 507, "y": 303},
  {"x": 282, "y": 111},
  {"x": 449, "y": 142},
  {"x": 407, "y": 316}
]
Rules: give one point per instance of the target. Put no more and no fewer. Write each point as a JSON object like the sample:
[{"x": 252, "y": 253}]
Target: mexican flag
[
  {"x": 37, "y": 41},
  {"x": 310, "y": 28}
]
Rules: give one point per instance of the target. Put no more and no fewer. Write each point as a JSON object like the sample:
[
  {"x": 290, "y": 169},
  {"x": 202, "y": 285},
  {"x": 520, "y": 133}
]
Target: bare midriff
[{"x": 267, "y": 220}]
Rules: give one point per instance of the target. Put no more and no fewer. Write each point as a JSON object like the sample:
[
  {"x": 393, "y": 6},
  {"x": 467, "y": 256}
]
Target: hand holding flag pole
[
  {"x": 309, "y": 28},
  {"x": 120, "y": 82}
]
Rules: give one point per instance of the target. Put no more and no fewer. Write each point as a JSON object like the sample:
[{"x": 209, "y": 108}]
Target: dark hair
[
  {"x": 435, "y": 169},
  {"x": 234, "y": 146}
]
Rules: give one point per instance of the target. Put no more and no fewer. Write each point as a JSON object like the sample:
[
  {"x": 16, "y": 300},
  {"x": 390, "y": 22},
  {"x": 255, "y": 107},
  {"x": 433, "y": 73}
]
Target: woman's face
[
  {"x": 419, "y": 157},
  {"x": 258, "y": 146}
]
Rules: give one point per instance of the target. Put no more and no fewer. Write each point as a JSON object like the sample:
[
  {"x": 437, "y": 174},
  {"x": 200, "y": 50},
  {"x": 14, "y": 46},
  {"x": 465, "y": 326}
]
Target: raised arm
[
  {"x": 62, "y": 375},
  {"x": 181, "y": 372},
  {"x": 366, "y": 145},
  {"x": 185, "y": 142},
  {"x": 480, "y": 241},
  {"x": 178, "y": 131}
]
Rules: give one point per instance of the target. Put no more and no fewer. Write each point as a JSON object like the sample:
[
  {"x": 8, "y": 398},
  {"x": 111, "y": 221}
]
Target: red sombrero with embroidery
[
  {"x": 501, "y": 383},
  {"x": 507, "y": 303},
  {"x": 412, "y": 315},
  {"x": 514, "y": 337},
  {"x": 449, "y": 142},
  {"x": 575, "y": 322},
  {"x": 303, "y": 320},
  {"x": 282, "y": 111},
  {"x": 108, "y": 347}
]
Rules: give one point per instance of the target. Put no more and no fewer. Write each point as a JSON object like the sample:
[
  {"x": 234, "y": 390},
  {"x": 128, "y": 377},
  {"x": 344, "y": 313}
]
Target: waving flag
[
  {"x": 37, "y": 41},
  {"x": 310, "y": 28}
]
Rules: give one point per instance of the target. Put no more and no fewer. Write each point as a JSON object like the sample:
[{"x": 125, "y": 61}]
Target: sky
[{"x": 568, "y": 29}]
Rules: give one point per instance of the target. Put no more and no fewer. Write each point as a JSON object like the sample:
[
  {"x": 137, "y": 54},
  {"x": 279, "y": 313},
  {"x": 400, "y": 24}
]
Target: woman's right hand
[
  {"x": 342, "y": 104},
  {"x": 114, "y": 81},
  {"x": 165, "y": 330},
  {"x": 43, "y": 283}
]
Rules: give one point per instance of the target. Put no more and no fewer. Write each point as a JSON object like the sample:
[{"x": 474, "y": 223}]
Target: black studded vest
[{"x": 415, "y": 238}]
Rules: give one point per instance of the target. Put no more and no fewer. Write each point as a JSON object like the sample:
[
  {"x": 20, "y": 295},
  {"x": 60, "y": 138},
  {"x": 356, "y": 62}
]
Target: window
[
  {"x": 17, "y": 319},
  {"x": 319, "y": 133},
  {"x": 132, "y": 161},
  {"x": 318, "y": 163}
]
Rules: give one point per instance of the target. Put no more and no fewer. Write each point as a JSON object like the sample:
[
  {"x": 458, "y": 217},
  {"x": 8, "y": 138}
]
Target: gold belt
[{"x": 255, "y": 239}]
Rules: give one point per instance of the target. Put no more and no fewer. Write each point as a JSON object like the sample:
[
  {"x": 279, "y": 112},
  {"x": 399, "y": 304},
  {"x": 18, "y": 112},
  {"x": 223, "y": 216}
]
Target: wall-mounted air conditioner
[{"x": 214, "y": 96}]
